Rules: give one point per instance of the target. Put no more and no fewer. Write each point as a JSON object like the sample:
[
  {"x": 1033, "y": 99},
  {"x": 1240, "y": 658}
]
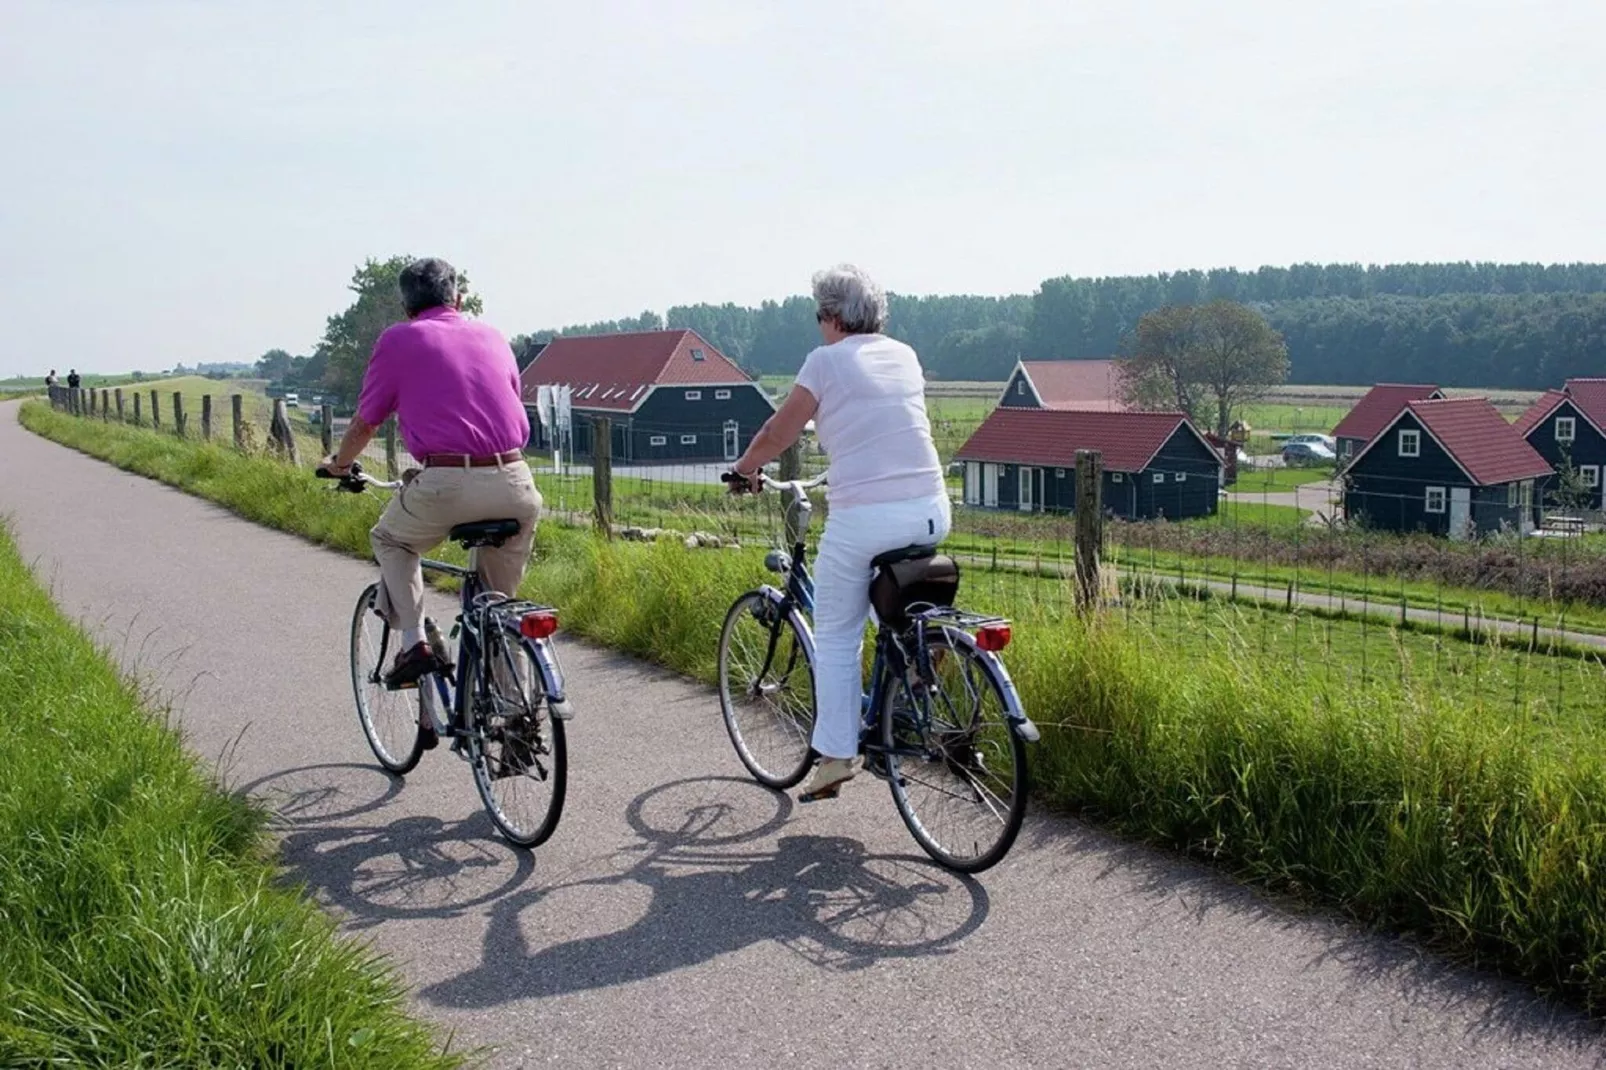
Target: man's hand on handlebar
[{"x": 350, "y": 475}]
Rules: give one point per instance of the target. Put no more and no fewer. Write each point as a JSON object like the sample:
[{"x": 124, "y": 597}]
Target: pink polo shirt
[{"x": 452, "y": 382}]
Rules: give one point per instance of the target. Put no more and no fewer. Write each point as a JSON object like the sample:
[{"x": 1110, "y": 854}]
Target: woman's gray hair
[{"x": 852, "y": 298}]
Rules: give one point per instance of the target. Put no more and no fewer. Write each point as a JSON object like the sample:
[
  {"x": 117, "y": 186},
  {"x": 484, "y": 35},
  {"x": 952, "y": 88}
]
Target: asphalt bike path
[{"x": 683, "y": 916}]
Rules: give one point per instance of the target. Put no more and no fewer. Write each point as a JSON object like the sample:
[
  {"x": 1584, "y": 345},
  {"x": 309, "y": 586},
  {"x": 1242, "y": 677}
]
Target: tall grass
[
  {"x": 1477, "y": 830},
  {"x": 142, "y": 925}
]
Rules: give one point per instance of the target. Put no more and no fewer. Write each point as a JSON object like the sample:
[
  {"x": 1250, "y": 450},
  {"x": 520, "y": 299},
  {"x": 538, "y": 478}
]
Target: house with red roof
[
  {"x": 1373, "y": 412},
  {"x": 1156, "y": 464},
  {"x": 669, "y": 396},
  {"x": 1449, "y": 466},
  {"x": 1568, "y": 429},
  {"x": 1068, "y": 385}
]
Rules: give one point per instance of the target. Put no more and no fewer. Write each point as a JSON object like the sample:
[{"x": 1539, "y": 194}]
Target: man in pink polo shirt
[{"x": 453, "y": 384}]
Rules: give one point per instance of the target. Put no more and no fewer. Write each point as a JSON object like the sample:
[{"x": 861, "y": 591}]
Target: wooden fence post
[
  {"x": 105, "y": 405},
  {"x": 118, "y": 394},
  {"x": 89, "y": 401},
  {"x": 391, "y": 467},
  {"x": 791, "y": 466},
  {"x": 237, "y": 404},
  {"x": 156, "y": 409},
  {"x": 178, "y": 413},
  {"x": 206, "y": 417},
  {"x": 138, "y": 419},
  {"x": 602, "y": 473},
  {"x": 1089, "y": 527},
  {"x": 284, "y": 439},
  {"x": 75, "y": 401},
  {"x": 326, "y": 428}
]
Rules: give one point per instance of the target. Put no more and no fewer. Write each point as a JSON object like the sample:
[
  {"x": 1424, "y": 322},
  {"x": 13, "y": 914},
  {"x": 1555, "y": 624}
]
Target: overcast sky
[{"x": 191, "y": 181}]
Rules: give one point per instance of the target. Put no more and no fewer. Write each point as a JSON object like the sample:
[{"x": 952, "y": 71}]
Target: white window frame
[
  {"x": 1443, "y": 494},
  {"x": 1590, "y": 474},
  {"x": 688, "y": 440},
  {"x": 1349, "y": 447},
  {"x": 1182, "y": 477},
  {"x": 1571, "y": 424},
  {"x": 694, "y": 395},
  {"x": 1059, "y": 473},
  {"x": 722, "y": 395},
  {"x": 1159, "y": 477},
  {"x": 1117, "y": 477},
  {"x": 658, "y": 440},
  {"x": 698, "y": 355},
  {"x": 1020, "y": 387},
  {"x": 1414, "y": 437}
]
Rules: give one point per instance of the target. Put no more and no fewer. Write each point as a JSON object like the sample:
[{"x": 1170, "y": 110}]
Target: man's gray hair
[
  {"x": 427, "y": 284},
  {"x": 852, "y": 298}
]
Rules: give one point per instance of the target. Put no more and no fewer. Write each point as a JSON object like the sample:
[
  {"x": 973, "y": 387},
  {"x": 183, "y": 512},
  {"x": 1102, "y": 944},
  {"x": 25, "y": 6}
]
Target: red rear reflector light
[
  {"x": 538, "y": 625},
  {"x": 993, "y": 637}
]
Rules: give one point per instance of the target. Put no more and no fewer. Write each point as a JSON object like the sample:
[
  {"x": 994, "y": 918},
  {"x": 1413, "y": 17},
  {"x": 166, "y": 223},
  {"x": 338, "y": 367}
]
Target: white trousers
[{"x": 854, "y": 536}]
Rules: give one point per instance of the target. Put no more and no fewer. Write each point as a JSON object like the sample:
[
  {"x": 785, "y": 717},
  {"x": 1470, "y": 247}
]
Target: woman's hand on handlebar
[{"x": 742, "y": 483}]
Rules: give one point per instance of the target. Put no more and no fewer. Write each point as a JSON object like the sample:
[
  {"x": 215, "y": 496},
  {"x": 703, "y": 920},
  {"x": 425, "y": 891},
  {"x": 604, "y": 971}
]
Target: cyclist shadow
[
  {"x": 417, "y": 866},
  {"x": 824, "y": 898}
]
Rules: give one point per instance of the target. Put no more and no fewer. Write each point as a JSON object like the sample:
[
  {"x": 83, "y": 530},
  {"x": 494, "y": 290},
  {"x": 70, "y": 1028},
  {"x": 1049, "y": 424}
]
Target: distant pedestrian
[
  {"x": 50, "y": 380},
  {"x": 73, "y": 380}
]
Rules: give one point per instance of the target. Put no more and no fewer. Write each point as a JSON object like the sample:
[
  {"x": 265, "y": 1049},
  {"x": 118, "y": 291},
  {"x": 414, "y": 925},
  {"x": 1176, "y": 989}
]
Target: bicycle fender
[{"x": 1014, "y": 710}]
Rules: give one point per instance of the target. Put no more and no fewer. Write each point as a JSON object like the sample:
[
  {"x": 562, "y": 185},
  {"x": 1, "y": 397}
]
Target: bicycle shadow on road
[
  {"x": 712, "y": 890},
  {"x": 417, "y": 866}
]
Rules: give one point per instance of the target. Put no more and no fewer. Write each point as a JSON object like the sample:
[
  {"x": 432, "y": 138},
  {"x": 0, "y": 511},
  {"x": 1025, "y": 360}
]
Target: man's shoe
[
  {"x": 427, "y": 739},
  {"x": 827, "y": 779},
  {"x": 412, "y": 665}
]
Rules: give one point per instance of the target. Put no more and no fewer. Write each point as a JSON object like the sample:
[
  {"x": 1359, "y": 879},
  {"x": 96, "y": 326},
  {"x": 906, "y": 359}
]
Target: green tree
[
  {"x": 273, "y": 365},
  {"x": 1209, "y": 359},
  {"x": 1570, "y": 494},
  {"x": 349, "y": 337}
]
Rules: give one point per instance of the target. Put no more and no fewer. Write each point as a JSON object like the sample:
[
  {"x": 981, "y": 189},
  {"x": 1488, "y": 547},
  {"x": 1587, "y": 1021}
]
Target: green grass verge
[
  {"x": 1478, "y": 825},
  {"x": 143, "y": 925}
]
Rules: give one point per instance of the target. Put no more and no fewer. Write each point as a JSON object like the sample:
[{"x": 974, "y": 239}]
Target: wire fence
[{"x": 1296, "y": 571}]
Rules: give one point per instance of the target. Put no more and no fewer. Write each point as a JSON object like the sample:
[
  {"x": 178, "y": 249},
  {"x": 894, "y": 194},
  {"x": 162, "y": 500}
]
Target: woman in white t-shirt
[{"x": 865, "y": 393}]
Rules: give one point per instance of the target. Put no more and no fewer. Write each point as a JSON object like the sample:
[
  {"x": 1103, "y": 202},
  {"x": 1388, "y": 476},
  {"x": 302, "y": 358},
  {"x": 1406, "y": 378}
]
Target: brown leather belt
[{"x": 463, "y": 460}]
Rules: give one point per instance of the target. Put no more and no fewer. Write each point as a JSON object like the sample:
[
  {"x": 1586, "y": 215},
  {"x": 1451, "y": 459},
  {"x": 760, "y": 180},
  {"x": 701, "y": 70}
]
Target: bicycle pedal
[{"x": 823, "y": 794}]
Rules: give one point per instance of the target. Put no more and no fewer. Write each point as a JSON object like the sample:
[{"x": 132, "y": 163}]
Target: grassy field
[
  {"x": 144, "y": 924},
  {"x": 1420, "y": 785}
]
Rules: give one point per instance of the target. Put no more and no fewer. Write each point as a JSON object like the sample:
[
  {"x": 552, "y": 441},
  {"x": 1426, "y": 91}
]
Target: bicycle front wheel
[
  {"x": 389, "y": 718},
  {"x": 517, "y": 749},
  {"x": 957, "y": 768},
  {"x": 766, "y": 690}
]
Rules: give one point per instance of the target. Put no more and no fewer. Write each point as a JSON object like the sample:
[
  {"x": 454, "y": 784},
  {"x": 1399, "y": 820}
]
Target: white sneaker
[{"x": 827, "y": 779}]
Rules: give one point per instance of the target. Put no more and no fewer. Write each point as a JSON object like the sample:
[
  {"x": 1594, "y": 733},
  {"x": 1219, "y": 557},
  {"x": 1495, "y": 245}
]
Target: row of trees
[{"x": 1465, "y": 324}]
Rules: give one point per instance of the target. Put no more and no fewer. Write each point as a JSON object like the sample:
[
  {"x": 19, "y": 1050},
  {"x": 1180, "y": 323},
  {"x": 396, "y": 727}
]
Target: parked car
[
  {"x": 1297, "y": 454},
  {"x": 1321, "y": 440},
  {"x": 292, "y": 401}
]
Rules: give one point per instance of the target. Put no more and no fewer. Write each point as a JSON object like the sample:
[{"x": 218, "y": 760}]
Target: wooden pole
[
  {"x": 602, "y": 473},
  {"x": 138, "y": 419},
  {"x": 284, "y": 439},
  {"x": 390, "y": 448},
  {"x": 178, "y": 413},
  {"x": 237, "y": 407},
  {"x": 791, "y": 466},
  {"x": 156, "y": 409},
  {"x": 89, "y": 402},
  {"x": 326, "y": 427},
  {"x": 118, "y": 394},
  {"x": 206, "y": 417},
  {"x": 105, "y": 405},
  {"x": 1089, "y": 527}
]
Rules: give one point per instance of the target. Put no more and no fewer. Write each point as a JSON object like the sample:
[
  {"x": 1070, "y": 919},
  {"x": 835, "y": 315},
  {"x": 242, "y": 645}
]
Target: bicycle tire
[
  {"x": 519, "y": 737},
  {"x": 388, "y": 719},
  {"x": 776, "y": 746},
  {"x": 958, "y": 751}
]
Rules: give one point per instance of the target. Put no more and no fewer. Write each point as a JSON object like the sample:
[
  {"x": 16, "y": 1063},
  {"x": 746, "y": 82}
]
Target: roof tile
[
  {"x": 1050, "y": 437},
  {"x": 1378, "y": 408},
  {"x": 614, "y": 371},
  {"x": 1477, "y": 436},
  {"x": 1084, "y": 385}
]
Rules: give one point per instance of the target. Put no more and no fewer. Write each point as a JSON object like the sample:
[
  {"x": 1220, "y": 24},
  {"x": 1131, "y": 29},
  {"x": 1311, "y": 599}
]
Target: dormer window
[{"x": 697, "y": 355}]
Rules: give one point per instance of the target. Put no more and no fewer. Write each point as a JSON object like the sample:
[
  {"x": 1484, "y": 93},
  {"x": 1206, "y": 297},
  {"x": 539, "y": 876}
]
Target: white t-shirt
[{"x": 872, "y": 421}]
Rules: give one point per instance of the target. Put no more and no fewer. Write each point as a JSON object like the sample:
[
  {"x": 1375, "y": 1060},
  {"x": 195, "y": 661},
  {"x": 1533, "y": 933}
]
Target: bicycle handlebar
[
  {"x": 356, "y": 481},
  {"x": 798, "y": 485}
]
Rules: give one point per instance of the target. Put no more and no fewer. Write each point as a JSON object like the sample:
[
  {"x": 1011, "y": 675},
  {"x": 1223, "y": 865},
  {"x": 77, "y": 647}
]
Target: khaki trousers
[{"x": 421, "y": 513}]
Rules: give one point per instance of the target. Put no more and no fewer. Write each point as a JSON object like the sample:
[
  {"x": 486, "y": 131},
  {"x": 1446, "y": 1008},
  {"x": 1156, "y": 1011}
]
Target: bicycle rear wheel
[
  {"x": 957, "y": 768},
  {"x": 389, "y": 718},
  {"x": 766, "y": 690},
  {"x": 518, "y": 751}
]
